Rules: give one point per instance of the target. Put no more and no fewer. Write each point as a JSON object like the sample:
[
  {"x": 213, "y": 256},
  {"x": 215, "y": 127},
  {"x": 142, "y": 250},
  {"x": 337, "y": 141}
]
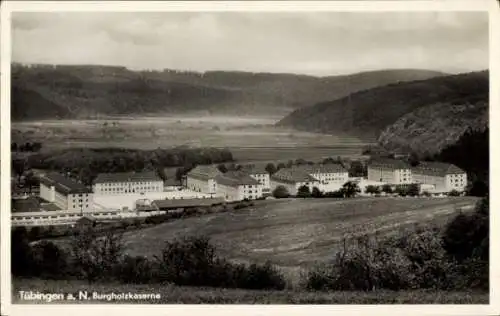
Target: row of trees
[
  {"x": 349, "y": 189},
  {"x": 26, "y": 147},
  {"x": 86, "y": 164}
]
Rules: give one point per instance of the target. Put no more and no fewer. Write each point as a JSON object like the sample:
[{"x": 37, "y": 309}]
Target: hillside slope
[
  {"x": 90, "y": 91},
  {"x": 369, "y": 112},
  {"x": 427, "y": 130}
]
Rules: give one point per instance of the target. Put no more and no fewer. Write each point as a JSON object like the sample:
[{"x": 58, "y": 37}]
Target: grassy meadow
[
  {"x": 248, "y": 138},
  {"x": 171, "y": 294},
  {"x": 295, "y": 234}
]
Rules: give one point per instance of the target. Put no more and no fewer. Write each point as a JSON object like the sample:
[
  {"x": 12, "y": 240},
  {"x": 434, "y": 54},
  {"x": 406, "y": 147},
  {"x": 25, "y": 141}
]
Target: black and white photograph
[{"x": 233, "y": 156}]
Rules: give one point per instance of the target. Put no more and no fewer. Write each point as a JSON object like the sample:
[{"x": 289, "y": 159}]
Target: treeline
[
  {"x": 471, "y": 153},
  {"x": 190, "y": 261},
  {"x": 86, "y": 163},
  {"x": 455, "y": 257},
  {"x": 26, "y": 147}
]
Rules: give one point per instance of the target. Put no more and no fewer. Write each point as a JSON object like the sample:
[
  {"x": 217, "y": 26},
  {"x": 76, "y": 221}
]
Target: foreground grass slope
[
  {"x": 295, "y": 233},
  {"x": 171, "y": 294}
]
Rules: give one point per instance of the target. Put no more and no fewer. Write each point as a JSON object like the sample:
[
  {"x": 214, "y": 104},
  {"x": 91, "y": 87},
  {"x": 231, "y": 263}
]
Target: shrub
[
  {"x": 281, "y": 192},
  {"x": 137, "y": 270},
  {"x": 334, "y": 194},
  {"x": 50, "y": 260},
  {"x": 454, "y": 193},
  {"x": 303, "y": 192},
  {"x": 467, "y": 235},
  {"x": 193, "y": 261},
  {"x": 316, "y": 193}
]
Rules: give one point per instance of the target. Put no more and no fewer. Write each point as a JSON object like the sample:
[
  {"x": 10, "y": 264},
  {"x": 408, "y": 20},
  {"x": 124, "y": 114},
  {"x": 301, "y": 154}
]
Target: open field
[
  {"x": 295, "y": 232},
  {"x": 170, "y": 294},
  {"x": 248, "y": 138}
]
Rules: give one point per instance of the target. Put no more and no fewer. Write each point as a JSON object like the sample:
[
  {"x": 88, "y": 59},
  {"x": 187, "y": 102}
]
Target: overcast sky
[{"x": 310, "y": 43}]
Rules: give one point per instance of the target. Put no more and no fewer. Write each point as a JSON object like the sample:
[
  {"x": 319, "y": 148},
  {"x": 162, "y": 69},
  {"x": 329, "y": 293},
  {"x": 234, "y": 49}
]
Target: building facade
[
  {"x": 127, "y": 182},
  {"x": 390, "y": 171},
  {"x": 202, "y": 179},
  {"x": 65, "y": 193},
  {"x": 441, "y": 177},
  {"x": 331, "y": 177},
  {"x": 292, "y": 179},
  {"x": 259, "y": 173},
  {"x": 237, "y": 186}
]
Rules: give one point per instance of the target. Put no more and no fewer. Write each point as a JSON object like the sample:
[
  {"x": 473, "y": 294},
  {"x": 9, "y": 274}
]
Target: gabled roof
[
  {"x": 293, "y": 175},
  {"x": 204, "y": 172},
  {"x": 145, "y": 176},
  {"x": 63, "y": 184},
  {"x": 235, "y": 178},
  {"x": 257, "y": 168},
  {"x": 323, "y": 168},
  {"x": 440, "y": 169},
  {"x": 388, "y": 163}
]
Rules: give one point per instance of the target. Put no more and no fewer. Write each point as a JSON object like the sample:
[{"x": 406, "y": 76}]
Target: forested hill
[
  {"x": 46, "y": 91},
  {"x": 374, "y": 110}
]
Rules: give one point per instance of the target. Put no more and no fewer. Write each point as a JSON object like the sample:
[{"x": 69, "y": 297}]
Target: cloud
[{"x": 320, "y": 43}]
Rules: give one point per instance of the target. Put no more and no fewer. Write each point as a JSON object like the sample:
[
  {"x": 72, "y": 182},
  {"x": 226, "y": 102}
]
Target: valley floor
[{"x": 170, "y": 294}]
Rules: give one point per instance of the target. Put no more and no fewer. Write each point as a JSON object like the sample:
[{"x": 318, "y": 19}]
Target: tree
[
  {"x": 316, "y": 193},
  {"x": 271, "y": 168},
  {"x": 281, "y": 165},
  {"x": 13, "y": 147},
  {"x": 350, "y": 189},
  {"x": 50, "y": 260},
  {"x": 304, "y": 192},
  {"x": 289, "y": 164},
  {"x": 93, "y": 256},
  {"x": 386, "y": 188},
  {"x": 19, "y": 166},
  {"x": 372, "y": 189},
  {"x": 281, "y": 192},
  {"x": 454, "y": 193},
  {"x": 222, "y": 168},
  {"x": 401, "y": 190},
  {"x": 413, "y": 189},
  {"x": 30, "y": 180},
  {"x": 357, "y": 169}
]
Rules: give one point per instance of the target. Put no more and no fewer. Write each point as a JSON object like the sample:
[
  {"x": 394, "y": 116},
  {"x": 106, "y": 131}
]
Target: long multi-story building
[
  {"x": 331, "y": 176},
  {"x": 391, "y": 171},
  {"x": 65, "y": 193},
  {"x": 259, "y": 173},
  {"x": 237, "y": 186},
  {"x": 127, "y": 182},
  {"x": 443, "y": 177},
  {"x": 202, "y": 179},
  {"x": 292, "y": 179}
]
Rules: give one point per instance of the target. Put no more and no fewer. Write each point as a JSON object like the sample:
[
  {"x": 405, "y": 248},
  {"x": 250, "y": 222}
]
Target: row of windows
[
  {"x": 80, "y": 205},
  {"x": 114, "y": 184}
]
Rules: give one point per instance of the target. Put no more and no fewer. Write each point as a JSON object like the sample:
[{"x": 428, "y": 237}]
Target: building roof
[
  {"x": 388, "y": 163},
  {"x": 293, "y": 175},
  {"x": 204, "y": 172},
  {"x": 30, "y": 204},
  {"x": 323, "y": 168},
  {"x": 145, "y": 176},
  {"x": 63, "y": 184},
  {"x": 440, "y": 169},
  {"x": 236, "y": 178},
  {"x": 181, "y": 203},
  {"x": 256, "y": 168}
]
